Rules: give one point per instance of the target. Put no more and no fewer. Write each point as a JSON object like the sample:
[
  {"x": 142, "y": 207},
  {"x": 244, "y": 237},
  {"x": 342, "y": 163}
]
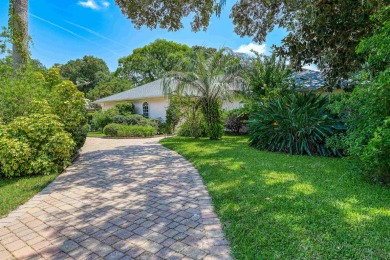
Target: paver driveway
[{"x": 122, "y": 199}]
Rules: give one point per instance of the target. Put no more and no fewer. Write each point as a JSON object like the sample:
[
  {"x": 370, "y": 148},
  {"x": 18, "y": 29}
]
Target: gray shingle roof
[
  {"x": 149, "y": 90},
  {"x": 309, "y": 79}
]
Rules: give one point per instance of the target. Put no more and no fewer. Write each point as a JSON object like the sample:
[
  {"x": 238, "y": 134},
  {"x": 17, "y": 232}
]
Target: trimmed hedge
[{"x": 119, "y": 130}]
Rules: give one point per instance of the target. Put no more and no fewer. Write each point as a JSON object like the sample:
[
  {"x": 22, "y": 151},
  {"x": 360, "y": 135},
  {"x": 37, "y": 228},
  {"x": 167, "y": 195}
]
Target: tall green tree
[
  {"x": 323, "y": 32},
  {"x": 85, "y": 73},
  {"x": 152, "y": 61},
  {"x": 209, "y": 82},
  {"x": 110, "y": 86}
]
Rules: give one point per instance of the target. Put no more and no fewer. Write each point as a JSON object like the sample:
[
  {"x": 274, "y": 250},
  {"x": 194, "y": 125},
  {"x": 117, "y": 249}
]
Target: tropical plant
[
  {"x": 208, "y": 82},
  {"x": 297, "y": 123},
  {"x": 268, "y": 76}
]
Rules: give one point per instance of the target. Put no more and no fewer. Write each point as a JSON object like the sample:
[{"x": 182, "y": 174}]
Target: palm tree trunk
[{"x": 19, "y": 27}]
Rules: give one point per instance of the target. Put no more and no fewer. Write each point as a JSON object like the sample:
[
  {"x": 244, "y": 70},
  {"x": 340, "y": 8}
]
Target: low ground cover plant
[{"x": 120, "y": 130}]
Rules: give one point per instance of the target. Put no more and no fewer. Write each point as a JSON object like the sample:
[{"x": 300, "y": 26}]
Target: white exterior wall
[
  {"x": 157, "y": 106},
  {"x": 229, "y": 105}
]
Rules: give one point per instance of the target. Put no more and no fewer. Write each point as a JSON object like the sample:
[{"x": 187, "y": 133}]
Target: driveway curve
[{"x": 122, "y": 199}]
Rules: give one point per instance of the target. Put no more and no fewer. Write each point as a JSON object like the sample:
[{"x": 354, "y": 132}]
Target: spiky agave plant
[
  {"x": 297, "y": 123},
  {"x": 210, "y": 82}
]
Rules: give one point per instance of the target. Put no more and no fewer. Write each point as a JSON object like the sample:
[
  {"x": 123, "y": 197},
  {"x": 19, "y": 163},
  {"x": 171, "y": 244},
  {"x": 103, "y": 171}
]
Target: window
[{"x": 145, "y": 109}]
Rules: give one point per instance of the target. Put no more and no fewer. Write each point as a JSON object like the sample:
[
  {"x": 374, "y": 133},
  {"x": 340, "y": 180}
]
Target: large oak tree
[{"x": 324, "y": 32}]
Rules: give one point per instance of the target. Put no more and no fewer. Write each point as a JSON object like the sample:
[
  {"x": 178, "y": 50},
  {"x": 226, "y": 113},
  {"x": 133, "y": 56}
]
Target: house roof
[
  {"x": 149, "y": 90},
  {"x": 308, "y": 79}
]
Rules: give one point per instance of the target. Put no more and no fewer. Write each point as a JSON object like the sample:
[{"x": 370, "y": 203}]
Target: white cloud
[
  {"x": 94, "y": 5},
  {"x": 247, "y": 48},
  {"x": 105, "y": 3}
]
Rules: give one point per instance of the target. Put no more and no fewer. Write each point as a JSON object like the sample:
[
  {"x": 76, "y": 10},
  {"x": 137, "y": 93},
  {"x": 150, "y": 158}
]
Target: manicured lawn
[
  {"x": 290, "y": 207},
  {"x": 16, "y": 191},
  {"x": 96, "y": 134}
]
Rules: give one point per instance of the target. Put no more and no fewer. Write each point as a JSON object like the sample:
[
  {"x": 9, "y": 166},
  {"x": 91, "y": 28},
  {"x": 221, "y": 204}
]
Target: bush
[
  {"x": 126, "y": 108},
  {"x": 194, "y": 126},
  {"x": 235, "y": 121},
  {"x": 34, "y": 144},
  {"x": 367, "y": 111},
  {"x": 298, "y": 123},
  {"x": 118, "y": 130},
  {"x": 69, "y": 104}
]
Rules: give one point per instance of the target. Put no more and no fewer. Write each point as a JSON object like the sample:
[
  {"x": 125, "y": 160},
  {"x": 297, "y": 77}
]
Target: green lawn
[
  {"x": 95, "y": 134},
  {"x": 275, "y": 206},
  {"x": 16, "y": 191}
]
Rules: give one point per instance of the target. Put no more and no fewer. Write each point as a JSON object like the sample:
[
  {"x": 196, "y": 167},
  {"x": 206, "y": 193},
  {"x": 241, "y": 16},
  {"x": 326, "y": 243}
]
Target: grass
[
  {"x": 16, "y": 191},
  {"x": 96, "y": 134},
  {"x": 276, "y": 206}
]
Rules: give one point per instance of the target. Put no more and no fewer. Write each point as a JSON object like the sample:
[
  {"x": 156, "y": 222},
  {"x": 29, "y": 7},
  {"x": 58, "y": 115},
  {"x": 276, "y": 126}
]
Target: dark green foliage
[
  {"x": 235, "y": 120},
  {"x": 119, "y": 130},
  {"x": 109, "y": 86},
  {"x": 152, "y": 61},
  {"x": 213, "y": 116},
  {"x": 320, "y": 32},
  {"x": 85, "y": 73},
  {"x": 367, "y": 111},
  {"x": 298, "y": 123},
  {"x": 377, "y": 46},
  {"x": 173, "y": 115}
]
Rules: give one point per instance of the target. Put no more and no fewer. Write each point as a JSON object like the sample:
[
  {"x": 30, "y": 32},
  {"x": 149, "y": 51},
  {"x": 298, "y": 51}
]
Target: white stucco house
[{"x": 149, "y": 100}]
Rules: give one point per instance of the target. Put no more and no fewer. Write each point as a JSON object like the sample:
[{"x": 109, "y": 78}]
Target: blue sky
[{"x": 98, "y": 28}]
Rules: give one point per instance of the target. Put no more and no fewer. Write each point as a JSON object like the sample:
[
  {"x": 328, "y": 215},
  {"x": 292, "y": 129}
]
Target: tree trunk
[{"x": 19, "y": 28}]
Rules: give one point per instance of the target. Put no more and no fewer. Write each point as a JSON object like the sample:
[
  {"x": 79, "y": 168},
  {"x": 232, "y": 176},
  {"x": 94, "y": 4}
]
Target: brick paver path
[{"x": 122, "y": 199}]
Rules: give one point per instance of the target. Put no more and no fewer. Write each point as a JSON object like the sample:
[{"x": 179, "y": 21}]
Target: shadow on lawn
[{"x": 279, "y": 206}]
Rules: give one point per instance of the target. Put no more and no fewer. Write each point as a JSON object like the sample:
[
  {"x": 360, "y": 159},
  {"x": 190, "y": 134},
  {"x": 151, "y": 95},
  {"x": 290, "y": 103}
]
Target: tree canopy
[
  {"x": 109, "y": 86},
  {"x": 150, "y": 62},
  {"x": 85, "y": 72},
  {"x": 325, "y": 33}
]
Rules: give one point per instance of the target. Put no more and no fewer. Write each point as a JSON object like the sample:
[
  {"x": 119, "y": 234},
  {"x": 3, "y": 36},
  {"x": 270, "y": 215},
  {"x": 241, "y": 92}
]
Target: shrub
[
  {"x": 235, "y": 121},
  {"x": 194, "y": 126},
  {"x": 118, "y": 130},
  {"x": 367, "y": 111},
  {"x": 69, "y": 104},
  {"x": 126, "y": 108},
  {"x": 34, "y": 144},
  {"x": 298, "y": 123}
]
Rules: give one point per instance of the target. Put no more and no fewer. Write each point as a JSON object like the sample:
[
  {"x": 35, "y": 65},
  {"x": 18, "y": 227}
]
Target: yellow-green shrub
[{"x": 34, "y": 144}]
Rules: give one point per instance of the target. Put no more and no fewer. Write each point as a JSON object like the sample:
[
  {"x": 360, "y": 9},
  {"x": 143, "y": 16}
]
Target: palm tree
[
  {"x": 18, "y": 23},
  {"x": 210, "y": 82}
]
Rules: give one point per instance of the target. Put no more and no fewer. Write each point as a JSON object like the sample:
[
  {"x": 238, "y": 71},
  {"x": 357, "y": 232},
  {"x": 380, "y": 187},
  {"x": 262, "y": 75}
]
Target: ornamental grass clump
[{"x": 297, "y": 123}]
